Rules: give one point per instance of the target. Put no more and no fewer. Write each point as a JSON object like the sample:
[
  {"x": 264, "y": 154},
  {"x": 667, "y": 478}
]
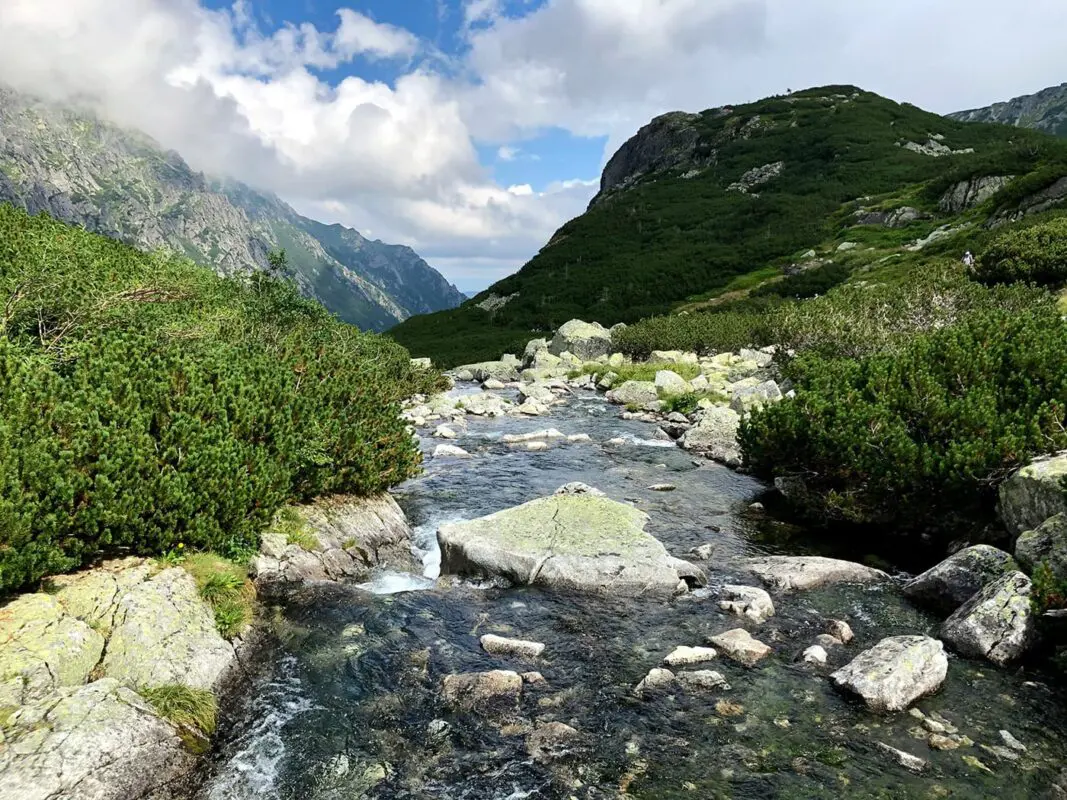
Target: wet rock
[
  {"x": 493, "y": 385},
  {"x": 43, "y": 648},
  {"x": 445, "y": 432},
  {"x": 1047, "y": 544},
  {"x": 681, "y": 656},
  {"x": 747, "y": 601},
  {"x": 702, "y": 680},
  {"x": 484, "y": 405},
  {"x": 579, "y": 438},
  {"x": 95, "y": 742},
  {"x": 938, "y": 741},
  {"x": 634, "y": 393},
  {"x": 573, "y": 541},
  {"x": 536, "y": 447},
  {"x": 840, "y": 630},
  {"x": 586, "y": 340},
  {"x": 580, "y": 488},
  {"x": 656, "y": 680},
  {"x": 752, "y": 398},
  {"x": 715, "y": 436},
  {"x": 545, "y": 435},
  {"x": 532, "y": 408},
  {"x": 977, "y": 764},
  {"x": 739, "y": 645},
  {"x": 165, "y": 634},
  {"x": 704, "y": 552},
  {"x": 1033, "y": 494},
  {"x": 450, "y": 451},
  {"x": 828, "y": 641},
  {"x": 955, "y": 580},
  {"x": 997, "y": 623},
  {"x": 810, "y": 572},
  {"x": 533, "y": 678},
  {"x": 499, "y": 646},
  {"x": 662, "y": 487},
  {"x": 906, "y": 760},
  {"x": 1012, "y": 742},
  {"x": 815, "y": 654},
  {"x": 728, "y": 708},
  {"x": 484, "y": 692},
  {"x": 539, "y": 392},
  {"x": 551, "y": 741},
  {"x": 895, "y": 672}
]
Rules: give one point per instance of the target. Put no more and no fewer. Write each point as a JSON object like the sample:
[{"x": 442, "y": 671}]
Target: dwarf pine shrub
[{"x": 1034, "y": 254}]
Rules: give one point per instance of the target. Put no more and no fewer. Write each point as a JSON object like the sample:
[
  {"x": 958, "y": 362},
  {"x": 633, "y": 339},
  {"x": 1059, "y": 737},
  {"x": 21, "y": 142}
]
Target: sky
[{"x": 472, "y": 129}]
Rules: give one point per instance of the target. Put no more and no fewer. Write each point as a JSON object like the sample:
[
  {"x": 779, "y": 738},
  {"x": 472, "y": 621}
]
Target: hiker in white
[{"x": 968, "y": 259}]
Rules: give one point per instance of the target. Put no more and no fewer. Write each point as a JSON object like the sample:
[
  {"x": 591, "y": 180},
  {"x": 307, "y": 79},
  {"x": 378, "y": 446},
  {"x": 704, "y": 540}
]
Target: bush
[
  {"x": 1036, "y": 254},
  {"x": 923, "y": 433},
  {"x": 810, "y": 283},
  {"x": 147, "y": 403}
]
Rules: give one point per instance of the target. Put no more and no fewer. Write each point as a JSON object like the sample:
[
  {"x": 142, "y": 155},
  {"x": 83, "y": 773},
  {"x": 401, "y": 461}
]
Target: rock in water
[
  {"x": 499, "y": 646},
  {"x": 816, "y": 654},
  {"x": 573, "y": 541},
  {"x": 715, "y": 436},
  {"x": 810, "y": 572},
  {"x": 1047, "y": 544},
  {"x": 739, "y": 645},
  {"x": 1033, "y": 494},
  {"x": 94, "y": 742},
  {"x": 450, "y": 451},
  {"x": 587, "y": 340},
  {"x": 840, "y": 630},
  {"x": 656, "y": 680},
  {"x": 580, "y": 488},
  {"x": 997, "y": 623},
  {"x": 906, "y": 760},
  {"x": 956, "y": 579},
  {"x": 551, "y": 741},
  {"x": 484, "y": 692},
  {"x": 895, "y": 672},
  {"x": 702, "y": 680},
  {"x": 747, "y": 601},
  {"x": 634, "y": 393},
  {"x": 681, "y": 656}
]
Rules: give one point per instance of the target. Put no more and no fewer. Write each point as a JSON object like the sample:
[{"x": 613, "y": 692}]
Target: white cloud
[
  {"x": 360, "y": 34},
  {"x": 506, "y": 153}
]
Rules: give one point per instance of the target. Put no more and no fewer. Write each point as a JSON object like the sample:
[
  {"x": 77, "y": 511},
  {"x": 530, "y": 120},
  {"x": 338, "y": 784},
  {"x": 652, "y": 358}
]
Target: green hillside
[{"x": 676, "y": 228}]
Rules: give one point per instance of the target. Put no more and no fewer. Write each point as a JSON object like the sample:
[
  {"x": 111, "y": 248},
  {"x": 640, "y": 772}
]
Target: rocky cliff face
[
  {"x": 1045, "y": 111},
  {"x": 120, "y": 183}
]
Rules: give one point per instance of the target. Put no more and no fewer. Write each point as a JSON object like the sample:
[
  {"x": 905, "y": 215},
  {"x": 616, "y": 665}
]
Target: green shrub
[
  {"x": 147, "y": 403},
  {"x": 1035, "y": 254},
  {"x": 924, "y": 433},
  {"x": 810, "y": 283},
  {"x": 1049, "y": 591}
]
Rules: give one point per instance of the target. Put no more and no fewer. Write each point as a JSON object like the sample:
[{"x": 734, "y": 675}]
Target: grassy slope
[{"x": 670, "y": 239}]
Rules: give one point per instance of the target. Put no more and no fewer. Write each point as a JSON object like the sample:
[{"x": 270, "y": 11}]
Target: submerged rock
[
  {"x": 657, "y": 679},
  {"x": 94, "y": 742},
  {"x": 895, "y": 672},
  {"x": 499, "y": 646},
  {"x": 955, "y": 580},
  {"x": 906, "y": 760},
  {"x": 571, "y": 541},
  {"x": 810, "y": 572},
  {"x": 551, "y": 741},
  {"x": 815, "y": 654},
  {"x": 747, "y": 601},
  {"x": 840, "y": 630},
  {"x": 701, "y": 680},
  {"x": 484, "y": 692},
  {"x": 739, "y": 645},
  {"x": 997, "y": 623},
  {"x": 1034, "y": 493}
]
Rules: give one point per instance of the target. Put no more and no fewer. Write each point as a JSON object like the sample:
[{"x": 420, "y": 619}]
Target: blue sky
[{"x": 472, "y": 129}]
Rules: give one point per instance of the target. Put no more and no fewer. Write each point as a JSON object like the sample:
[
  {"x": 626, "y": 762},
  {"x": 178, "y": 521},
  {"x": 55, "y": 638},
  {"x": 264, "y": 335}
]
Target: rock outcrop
[
  {"x": 1034, "y": 493},
  {"x": 788, "y": 573},
  {"x": 586, "y": 340},
  {"x": 973, "y": 192},
  {"x": 895, "y": 672},
  {"x": 573, "y": 541},
  {"x": 997, "y": 623},
  {"x": 955, "y": 580},
  {"x": 715, "y": 436},
  {"x": 1046, "y": 545}
]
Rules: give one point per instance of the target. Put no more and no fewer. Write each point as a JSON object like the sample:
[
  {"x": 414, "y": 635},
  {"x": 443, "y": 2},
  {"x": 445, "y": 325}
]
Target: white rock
[
  {"x": 809, "y": 572},
  {"x": 500, "y": 646},
  {"x": 906, "y": 760},
  {"x": 815, "y": 655},
  {"x": 580, "y": 437},
  {"x": 445, "y": 432},
  {"x": 895, "y": 672},
  {"x": 656, "y": 679},
  {"x": 747, "y": 601},
  {"x": 450, "y": 451},
  {"x": 682, "y": 656},
  {"x": 739, "y": 645}
]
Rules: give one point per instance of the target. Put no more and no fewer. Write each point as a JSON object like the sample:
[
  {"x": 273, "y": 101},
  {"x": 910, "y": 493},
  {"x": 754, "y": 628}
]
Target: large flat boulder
[
  {"x": 1034, "y": 493},
  {"x": 895, "y": 672},
  {"x": 586, "y": 340},
  {"x": 955, "y": 580},
  {"x": 634, "y": 393},
  {"x": 573, "y": 541},
  {"x": 997, "y": 623},
  {"x": 163, "y": 633},
  {"x": 94, "y": 742},
  {"x": 810, "y": 572},
  {"x": 503, "y": 370},
  {"x": 1046, "y": 545},
  {"x": 715, "y": 436}
]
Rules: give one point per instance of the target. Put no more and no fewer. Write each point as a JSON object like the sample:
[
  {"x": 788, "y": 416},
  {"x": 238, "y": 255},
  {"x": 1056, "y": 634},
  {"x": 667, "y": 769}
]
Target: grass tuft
[
  {"x": 224, "y": 585},
  {"x": 184, "y": 707}
]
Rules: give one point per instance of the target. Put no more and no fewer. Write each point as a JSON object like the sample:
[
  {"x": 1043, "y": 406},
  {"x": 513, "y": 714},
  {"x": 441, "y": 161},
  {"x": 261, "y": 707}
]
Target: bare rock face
[
  {"x": 997, "y": 623},
  {"x": 895, "y": 672},
  {"x": 482, "y": 692},
  {"x": 809, "y": 572},
  {"x": 94, "y": 742},
  {"x": 574, "y": 541},
  {"x": 955, "y": 580}
]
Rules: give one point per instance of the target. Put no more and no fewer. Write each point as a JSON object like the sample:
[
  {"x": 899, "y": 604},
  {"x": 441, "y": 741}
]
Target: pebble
[
  {"x": 939, "y": 742},
  {"x": 662, "y": 487},
  {"x": 906, "y": 760},
  {"x": 1012, "y": 742}
]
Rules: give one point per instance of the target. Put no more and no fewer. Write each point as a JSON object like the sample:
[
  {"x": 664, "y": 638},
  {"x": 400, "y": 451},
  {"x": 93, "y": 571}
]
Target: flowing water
[{"x": 348, "y": 704}]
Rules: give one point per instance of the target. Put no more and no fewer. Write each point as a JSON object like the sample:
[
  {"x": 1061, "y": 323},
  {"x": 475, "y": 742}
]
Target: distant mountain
[
  {"x": 1044, "y": 111},
  {"x": 83, "y": 170},
  {"x": 694, "y": 201}
]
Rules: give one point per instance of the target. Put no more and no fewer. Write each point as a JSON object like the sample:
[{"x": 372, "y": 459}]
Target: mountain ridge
[
  {"x": 121, "y": 183},
  {"x": 1045, "y": 110}
]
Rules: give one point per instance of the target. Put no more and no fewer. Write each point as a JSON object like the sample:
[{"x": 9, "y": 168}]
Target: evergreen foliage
[
  {"x": 146, "y": 403},
  {"x": 1034, "y": 254}
]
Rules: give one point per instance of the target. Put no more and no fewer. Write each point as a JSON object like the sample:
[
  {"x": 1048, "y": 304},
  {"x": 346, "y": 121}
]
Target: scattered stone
[
  {"x": 438, "y": 729},
  {"x": 657, "y": 679},
  {"x": 973, "y": 762},
  {"x": 573, "y": 541},
  {"x": 1012, "y": 742},
  {"x": 681, "y": 656},
  {"x": 756, "y": 506},
  {"x": 702, "y": 680},
  {"x": 747, "y": 601},
  {"x": 704, "y": 552},
  {"x": 533, "y": 678},
  {"x": 1033, "y": 494},
  {"x": 493, "y": 385},
  {"x": 551, "y": 741},
  {"x": 521, "y": 438},
  {"x": 579, "y": 437},
  {"x": 728, "y": 708},
  {"x": 938, "y": 741},
  {"x": 906, "y": 760},
  {"x": 450, "y": 451},
  {"x": 816, "y": 655},
  {"x": 809, "y": 572},
  {"x": 499, "y": 646},
  {"x": 662, "y": 487},
  {"x": 933, "y": 726},
  {"x": 840, "y": 630},
  {"x": 482, "y": 691},
  {"x": 579, "y": 488},
  {"x": 955, "y": 580},
  {"x": 739, "y": 645},
  {"x": 828, "y": 641},
  {"x": 445, "y": 432},
  {"x": 895, "y": 672},
  {"x": 1000, "y": 752},
  {"x": 997, "y": 623}
]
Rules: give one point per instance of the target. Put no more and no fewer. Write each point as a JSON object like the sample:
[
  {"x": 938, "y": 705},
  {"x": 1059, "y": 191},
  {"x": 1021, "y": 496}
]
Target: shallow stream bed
[{"x": 348, "y": 703}]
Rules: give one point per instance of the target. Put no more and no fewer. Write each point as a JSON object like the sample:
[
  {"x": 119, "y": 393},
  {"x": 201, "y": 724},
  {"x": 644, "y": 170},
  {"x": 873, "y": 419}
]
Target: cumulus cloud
[{"x": 399, "y": 160}]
